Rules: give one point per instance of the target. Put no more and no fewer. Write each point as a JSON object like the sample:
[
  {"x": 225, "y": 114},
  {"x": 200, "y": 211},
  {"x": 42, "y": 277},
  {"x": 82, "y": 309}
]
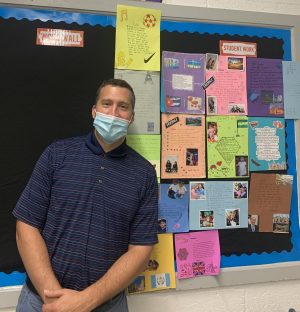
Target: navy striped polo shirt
[{"x": 89, "y": 205}]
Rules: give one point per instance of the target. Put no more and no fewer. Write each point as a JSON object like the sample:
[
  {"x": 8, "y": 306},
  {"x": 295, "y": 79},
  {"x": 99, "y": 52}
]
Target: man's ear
[
  {"x": 94, "y": 111},
  {"x": 132, "y": 118}
]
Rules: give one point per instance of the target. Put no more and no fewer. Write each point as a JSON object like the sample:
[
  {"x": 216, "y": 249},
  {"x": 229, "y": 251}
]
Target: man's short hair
[{"x": 116, "y": 83}]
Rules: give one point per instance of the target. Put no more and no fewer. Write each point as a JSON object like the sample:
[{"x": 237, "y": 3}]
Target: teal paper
[{"x": 266, "y": 143}]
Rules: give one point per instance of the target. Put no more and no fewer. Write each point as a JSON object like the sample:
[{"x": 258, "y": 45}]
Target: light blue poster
[
  {"x": 291, "y": 89},
  {"x": 266, "y": 143},
  {"x": 173, "y": 208},
  {"x": 218, "y": 205}
]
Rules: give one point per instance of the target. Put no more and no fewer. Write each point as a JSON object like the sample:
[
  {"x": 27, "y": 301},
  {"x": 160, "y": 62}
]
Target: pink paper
[
  {"x": 227, "y": 95},
  {"x": 197, "y": 253}
]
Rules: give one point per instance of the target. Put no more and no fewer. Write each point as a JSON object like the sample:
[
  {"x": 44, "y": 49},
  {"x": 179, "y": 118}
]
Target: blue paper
[
  {"x": 218, "y": 205},
  {"x": 173, "y": 207},
  {"x": 291, "y": 88}
]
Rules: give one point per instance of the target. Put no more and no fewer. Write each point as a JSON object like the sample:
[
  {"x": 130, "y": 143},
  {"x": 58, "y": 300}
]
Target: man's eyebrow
[{"x": 105, "y": 99}]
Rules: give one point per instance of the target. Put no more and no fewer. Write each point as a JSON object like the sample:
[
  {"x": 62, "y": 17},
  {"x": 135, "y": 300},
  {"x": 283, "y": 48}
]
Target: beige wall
[{"x": 270, "y": 6}]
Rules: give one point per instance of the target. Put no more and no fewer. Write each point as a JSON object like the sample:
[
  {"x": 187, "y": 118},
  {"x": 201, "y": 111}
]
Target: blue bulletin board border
[{"x": 16, "y": 278}]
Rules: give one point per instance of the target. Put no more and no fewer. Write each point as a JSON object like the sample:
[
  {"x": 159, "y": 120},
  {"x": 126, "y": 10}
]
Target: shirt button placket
[{"x": 101, "y": 168}]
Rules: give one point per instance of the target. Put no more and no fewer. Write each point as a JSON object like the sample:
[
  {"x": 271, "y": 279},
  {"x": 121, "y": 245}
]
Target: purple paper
[
  {"x": 265, "y": 87},
  {"x": 183, "y": 76}
]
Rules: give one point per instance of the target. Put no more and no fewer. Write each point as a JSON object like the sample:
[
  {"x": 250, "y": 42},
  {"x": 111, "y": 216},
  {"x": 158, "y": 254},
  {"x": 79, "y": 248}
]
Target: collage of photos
[
  {"x": 218, "y": 204},
  {"x": 220, "y": 200}
]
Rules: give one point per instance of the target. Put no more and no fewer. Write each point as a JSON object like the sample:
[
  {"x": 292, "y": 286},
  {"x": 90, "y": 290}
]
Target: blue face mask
[{"x": 110, "y": 128}]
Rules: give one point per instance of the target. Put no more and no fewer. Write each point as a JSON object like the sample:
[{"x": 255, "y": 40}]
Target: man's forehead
[{"x": 109, "y": 91}]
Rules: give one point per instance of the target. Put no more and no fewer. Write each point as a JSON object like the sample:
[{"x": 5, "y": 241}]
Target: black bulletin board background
[{"x": 46, "y": 93}]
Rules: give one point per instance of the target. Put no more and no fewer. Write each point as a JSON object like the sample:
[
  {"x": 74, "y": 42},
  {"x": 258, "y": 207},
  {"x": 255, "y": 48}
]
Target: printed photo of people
[
  {"x": 177, "y": 189},
  {"x": 236, "y": 108},
  {"x": 240, "y": 190},
  {"x": 162, "y": 226},
  {"x": 193, "y": 121},
  {"x": 235, "y": 63},
  {"x": 197, "y": 191},
  {"x": 241, "y": 166},
  {"x": 281, "y": 223},
  {"x": 232, "y": 217},
  {"x": 267, "y": 96},
  {"x": 192, "y": 157},
  {"x": 152, "y": 265},
  {"x": 137, "y": 285},
  {"x": 207, "y": 218},
  {"x": 211, "y": 61},
  {"x": 253, "y": 223},
  {"x": 212, "y": 105},
  {"x": 171, "y": 165},
  {"x": 276, "y": 109},
  {"x": 212, "y": 131}
]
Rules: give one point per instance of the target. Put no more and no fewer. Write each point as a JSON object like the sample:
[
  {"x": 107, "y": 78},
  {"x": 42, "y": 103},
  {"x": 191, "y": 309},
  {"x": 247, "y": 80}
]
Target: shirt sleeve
[
  {"x": 32, "y": 206},
  {"x": 144, "y": 226}
]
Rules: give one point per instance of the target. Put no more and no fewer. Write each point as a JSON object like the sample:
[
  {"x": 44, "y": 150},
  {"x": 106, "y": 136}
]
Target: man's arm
[
  {"x": 114, "y": 281},
  {"x": 34, "y": 254}
]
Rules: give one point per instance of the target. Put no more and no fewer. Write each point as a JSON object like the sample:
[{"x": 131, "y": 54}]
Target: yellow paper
[
  {"x": 160, "y": 272},
  {"x": 137, "y": 38}
]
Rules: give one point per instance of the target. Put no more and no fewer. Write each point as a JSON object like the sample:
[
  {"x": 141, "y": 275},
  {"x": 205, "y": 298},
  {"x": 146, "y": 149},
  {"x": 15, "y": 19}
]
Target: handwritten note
[
  {"x": 174, "y": 207},
  {"x": 137, "y": 38},
  {"x": 227, "y": 95},
  {"x": 182, "y": 78},
  {"x": 183, "y": 146},
  {"x": 291, "y": 87},
  {"x": 159, "y": 273},
  {"x": 148, "y": 146},
  {"x": 197, "y": 254},
  {"x": 265, "y": 87},
  {"x": 269, "y": 200},
  {"x": 227, "y": 146},
  {"x": 218, "y": 205},
  {"x": 146, "y": 89},
  {"x": 266, "y": 143}
]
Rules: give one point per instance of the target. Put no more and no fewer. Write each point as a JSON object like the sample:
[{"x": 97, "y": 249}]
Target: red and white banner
[
  {"x": 59, "y": 37},
  {"x": 238, "y": 48}
]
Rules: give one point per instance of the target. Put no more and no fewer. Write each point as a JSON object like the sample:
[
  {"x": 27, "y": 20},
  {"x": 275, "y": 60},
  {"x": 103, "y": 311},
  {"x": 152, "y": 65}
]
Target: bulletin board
[{"x": 49, "y": 93}]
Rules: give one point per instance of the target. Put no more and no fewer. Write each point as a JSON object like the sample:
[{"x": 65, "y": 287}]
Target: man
[
  {"x": 87, "y": 219},
  {"x": 252, "y": 227}
]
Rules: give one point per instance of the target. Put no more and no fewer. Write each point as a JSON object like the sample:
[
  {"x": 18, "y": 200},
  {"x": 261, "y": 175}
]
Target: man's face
[
  {"x": 253, "y": 220},
  {"x": 114, "y": 101}
]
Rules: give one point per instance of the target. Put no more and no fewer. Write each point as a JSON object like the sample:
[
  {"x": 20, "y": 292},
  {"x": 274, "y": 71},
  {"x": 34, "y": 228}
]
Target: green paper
[
  {"x": 227, "y": 146},
  {"x": 148, "y": 145}
]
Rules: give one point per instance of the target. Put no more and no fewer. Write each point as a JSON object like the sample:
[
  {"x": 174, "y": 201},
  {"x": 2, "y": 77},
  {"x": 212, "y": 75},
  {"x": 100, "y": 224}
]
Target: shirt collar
[{"x": 93, "y": 144}]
